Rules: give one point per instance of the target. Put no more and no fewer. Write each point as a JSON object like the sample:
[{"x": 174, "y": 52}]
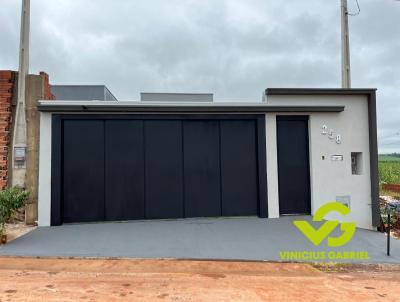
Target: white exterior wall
[
  {"x": 44, "y": 199},
  {"x": 272, "y": 165},
  {"x": 328, "y": 178}
]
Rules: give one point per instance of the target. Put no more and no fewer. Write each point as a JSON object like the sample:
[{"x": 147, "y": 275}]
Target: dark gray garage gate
[{"x": 108, "y": 168}]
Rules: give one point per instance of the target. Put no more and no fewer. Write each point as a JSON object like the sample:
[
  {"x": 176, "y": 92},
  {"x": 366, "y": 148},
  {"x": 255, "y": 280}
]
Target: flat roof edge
[
  {"x": 78, "y": 85},
  {"x": 172, "y": 93},
  {"x": 319, "y": 91},
  {"x": 59, "y": 107}
]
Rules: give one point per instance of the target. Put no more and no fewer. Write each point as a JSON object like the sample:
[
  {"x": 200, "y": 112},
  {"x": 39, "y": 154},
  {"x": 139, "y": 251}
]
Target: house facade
[{"x": 287, "y": 155}]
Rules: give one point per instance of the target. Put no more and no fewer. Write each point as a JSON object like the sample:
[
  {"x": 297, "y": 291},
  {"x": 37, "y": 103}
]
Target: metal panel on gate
[
  {"x": 202, "y": 184},
  {"x": 239, "y": 168},
  {"x": 83, "y": 173},
  {"x": 163, "y": 169},
  {"x": 124, "y": 170}
]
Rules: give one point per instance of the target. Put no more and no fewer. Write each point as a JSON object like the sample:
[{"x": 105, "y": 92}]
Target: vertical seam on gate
[
  {"x": 257, "y": 143},
  {"x": 60, "y": 143},
  {"x": 104, "y": 169},
  {"x": 307, "y": 122},
  {"x": 144, "y": 169},
  {"x": 183, "y": 170},
  {"x": 220, "y": 166},
  {"x": 277, "y": 141}
]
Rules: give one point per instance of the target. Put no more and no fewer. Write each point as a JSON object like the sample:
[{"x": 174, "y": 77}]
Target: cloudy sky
[{"x": 233, "y": 48}]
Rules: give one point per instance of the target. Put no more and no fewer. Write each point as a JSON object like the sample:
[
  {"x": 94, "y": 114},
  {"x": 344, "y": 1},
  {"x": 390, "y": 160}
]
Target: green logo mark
[{"x": 316, "y": 236}]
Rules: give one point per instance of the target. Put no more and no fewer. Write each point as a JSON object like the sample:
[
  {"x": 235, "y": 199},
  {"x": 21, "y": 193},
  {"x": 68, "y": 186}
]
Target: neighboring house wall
[
  {"x": 37, "y": 87},
  {"x": 329, "y": 179},
  {"x": 176, "y": 97},
  {"x": 82, "y": 92},
  {"x": 108, "y": 96},
  {"x": 8, "y": 81},
  {"x": 47, "y": 92}
]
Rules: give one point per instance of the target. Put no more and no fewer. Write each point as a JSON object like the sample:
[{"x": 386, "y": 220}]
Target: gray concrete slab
[{"x": 214, "y": 238}]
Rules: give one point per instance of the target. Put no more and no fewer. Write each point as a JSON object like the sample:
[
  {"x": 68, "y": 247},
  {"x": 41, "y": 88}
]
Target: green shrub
[
  {"x": 11, "y": 199},
  {"x": 389, "y": 172}
]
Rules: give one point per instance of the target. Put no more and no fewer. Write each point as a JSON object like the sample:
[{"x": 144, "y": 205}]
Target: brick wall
[
  {"x": 7, "y": 83},
  {"x": 8, "y": 92},
  {"x": 47, "y": 90}
]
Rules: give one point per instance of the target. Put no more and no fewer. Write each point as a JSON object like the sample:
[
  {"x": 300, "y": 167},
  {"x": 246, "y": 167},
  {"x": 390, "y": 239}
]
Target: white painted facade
[
  {"x": 44, "y": 199},
  {"x": 328, "y": 178}
]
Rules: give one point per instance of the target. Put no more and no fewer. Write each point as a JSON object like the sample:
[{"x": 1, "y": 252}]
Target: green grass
[
  {"x": 388, "y": 157},
  {"x": 389, "y": 172}
]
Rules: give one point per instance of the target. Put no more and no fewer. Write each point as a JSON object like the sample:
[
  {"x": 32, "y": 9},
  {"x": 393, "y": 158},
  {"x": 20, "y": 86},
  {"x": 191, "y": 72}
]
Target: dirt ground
[
  {"x": 17, "y": 229},
  {"x": 27, "y": 279}
]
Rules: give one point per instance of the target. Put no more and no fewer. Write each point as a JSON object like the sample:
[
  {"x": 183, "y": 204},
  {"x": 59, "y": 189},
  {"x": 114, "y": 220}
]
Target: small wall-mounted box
[
  {"x": 336, "y": 157},
  {"x": 356, "y": 163},
  {"x": 19, "y": 156},
  {"x": 345, "y": 200}
]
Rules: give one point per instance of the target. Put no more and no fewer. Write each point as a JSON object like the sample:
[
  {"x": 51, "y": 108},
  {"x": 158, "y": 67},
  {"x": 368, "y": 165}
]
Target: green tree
[{"x": 11, "y": 199}]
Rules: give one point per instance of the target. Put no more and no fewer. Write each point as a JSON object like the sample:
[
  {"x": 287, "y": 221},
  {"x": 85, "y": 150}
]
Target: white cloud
[{"x": 233, "y": 48}]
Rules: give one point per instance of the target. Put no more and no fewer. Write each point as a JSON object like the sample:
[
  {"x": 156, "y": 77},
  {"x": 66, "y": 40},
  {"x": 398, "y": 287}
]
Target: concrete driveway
[{"x": 247, "y": 238}]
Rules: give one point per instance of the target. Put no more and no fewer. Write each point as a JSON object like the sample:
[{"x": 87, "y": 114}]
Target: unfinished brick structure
[
  {"x": 47, "y": 95},
  {"x": 37, "y": 87},
  {"x": 7, "y": 88}
]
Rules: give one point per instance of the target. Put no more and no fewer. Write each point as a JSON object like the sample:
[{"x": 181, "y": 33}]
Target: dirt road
[{"x": 25, "y": 279}]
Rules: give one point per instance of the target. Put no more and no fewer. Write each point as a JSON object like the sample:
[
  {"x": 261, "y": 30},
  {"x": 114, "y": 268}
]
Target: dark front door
[
  {"x": 293, "y": 165},
  {"x": 152, "y": 167}
]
